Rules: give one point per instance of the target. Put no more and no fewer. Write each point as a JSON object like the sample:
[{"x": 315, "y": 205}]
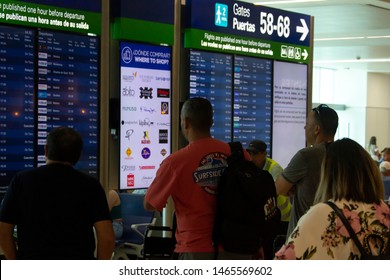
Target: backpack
[
  {"x": 363, "y": 253},
  {"x": 246, "y": 214}
]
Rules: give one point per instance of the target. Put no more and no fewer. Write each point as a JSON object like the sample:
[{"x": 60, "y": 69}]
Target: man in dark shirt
[{"x": 56, "y": 208}]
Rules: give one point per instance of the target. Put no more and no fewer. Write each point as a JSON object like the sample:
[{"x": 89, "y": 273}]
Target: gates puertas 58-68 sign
[{"x": 243, "y": 28}]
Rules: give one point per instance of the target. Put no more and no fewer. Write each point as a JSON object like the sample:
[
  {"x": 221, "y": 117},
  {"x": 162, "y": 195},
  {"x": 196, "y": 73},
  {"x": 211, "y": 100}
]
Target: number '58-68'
[{"x": 267, "y": 25}]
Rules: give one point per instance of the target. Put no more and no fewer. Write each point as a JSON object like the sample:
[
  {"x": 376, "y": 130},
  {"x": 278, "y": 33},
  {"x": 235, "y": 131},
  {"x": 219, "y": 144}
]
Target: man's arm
[
  {"x": 7, "y": 242},
  {"x": 105, "y": 239},
  {"x": 283, "y": 186}
]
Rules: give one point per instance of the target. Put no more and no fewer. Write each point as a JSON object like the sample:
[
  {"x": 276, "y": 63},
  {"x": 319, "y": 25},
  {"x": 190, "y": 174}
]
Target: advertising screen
[
  {"x": 289, "y": 110},
  {"x": 145, "y": 112},
  {"x": 252, "y": 102},
  {"x": 17, "y": 89},
  {"x": 211, "y": 78},
  {"x": 68, "y": 79}
]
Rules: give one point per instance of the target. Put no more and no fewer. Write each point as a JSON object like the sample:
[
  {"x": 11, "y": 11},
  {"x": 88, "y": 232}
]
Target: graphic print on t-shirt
[{"x": 209, "y": 171}]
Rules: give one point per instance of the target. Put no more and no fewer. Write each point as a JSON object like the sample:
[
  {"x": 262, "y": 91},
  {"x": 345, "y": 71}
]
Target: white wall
[
  {"x": 366, "y": 97},
  {"x": 351, "y": 90},
  {"x": 344, "y": 87},
  {"x": 378, "y": 109}
]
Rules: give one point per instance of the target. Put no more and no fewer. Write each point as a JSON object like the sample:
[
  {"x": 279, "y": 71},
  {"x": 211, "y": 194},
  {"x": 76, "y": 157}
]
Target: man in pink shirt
[{"x": 190, "y": 176}]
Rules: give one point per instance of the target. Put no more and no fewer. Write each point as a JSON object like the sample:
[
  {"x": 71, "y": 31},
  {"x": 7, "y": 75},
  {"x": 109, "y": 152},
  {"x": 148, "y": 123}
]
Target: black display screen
[
  {"x": 211, "y": 78},
  {"x": 17, "y": 85},
  {"x": 47, "y": 79},
  {"x": 252, "y": 104},
  {"x": 68, "y": 91}
]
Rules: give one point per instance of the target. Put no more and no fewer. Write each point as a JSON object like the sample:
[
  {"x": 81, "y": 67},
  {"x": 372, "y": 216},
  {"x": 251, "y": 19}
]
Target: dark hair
[
  {"x": 372, "y": 140},
  {"x": 199, "y": 112},
  {"x": 349, "y": 172},
  {"x": 64, "y": 144},
  {"x": 256, "y": 146},
  {"x": 327, "y": 118}
]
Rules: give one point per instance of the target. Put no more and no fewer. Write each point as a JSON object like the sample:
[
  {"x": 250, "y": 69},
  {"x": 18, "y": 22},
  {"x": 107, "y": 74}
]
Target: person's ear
[
  {"x": 186, "y": 123},
  {"x": 317, "y": 129}
]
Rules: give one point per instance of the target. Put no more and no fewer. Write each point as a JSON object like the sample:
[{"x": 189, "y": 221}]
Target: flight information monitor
[
  {"x": 211, "y": 78},
  {"x": 252, "y": 104},
  {"x": 16, "y": 102},
  {"x": 68, "y": 79}
]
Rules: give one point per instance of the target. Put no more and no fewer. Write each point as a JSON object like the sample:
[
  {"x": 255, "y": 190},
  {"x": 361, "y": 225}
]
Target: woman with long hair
[
  {"x": 373, "y": 149},
  {"x": 350, "y": 179}
]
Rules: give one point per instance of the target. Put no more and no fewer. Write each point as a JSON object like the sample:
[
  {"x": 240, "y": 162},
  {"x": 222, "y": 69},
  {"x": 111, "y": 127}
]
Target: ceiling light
[
  {"x": 339, "y": 38},
  {"x": 352, "y": 60},
  {"x": 352, "y": 38},
  {"x": 285, "y": 2},
  {"x": 378, "y": 37}
]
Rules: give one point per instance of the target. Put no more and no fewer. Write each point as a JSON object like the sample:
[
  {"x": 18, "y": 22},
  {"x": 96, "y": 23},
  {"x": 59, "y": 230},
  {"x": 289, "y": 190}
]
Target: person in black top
[{"x": 56, "y": 208}]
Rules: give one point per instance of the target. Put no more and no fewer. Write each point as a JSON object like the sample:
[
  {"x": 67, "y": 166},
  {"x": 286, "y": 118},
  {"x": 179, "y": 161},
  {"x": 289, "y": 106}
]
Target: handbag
[{"x": 363, "y": 253}]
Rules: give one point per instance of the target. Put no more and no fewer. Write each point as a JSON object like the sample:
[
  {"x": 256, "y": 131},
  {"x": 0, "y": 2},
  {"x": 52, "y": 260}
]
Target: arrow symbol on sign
[
  {"x": 303, "y": 29},
  {"x": 305, "y": 54}
]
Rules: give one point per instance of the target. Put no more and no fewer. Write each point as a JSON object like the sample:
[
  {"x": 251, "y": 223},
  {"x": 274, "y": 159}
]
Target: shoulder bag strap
[
  {"x": 352, "y": 234},
  {"x": 236, "y": 150}
]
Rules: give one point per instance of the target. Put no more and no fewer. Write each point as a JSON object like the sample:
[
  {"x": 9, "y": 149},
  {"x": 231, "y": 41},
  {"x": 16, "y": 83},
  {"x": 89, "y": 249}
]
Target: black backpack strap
[
  {"x": 236, "y": 150},
  {"x": 351, "y": 232}
]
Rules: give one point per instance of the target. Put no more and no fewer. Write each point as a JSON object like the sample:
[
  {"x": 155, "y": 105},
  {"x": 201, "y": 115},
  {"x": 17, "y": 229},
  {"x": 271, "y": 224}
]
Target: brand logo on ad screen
[
  {"x": 128, "y": 156},
  {"x": 128, "y": 91},
  {"x": 163, "y": 136},
  {"x": 128, "y": 133},
  {"x": 147, "y": 109},
  {"x": 146, "y": 122},
  {"x": 130, "y": 180},
  {"x": 129, "y": 78},
  {"x": 164, "y": 108},
  {"x": 146, "y": 92},
  {"x": 147, "y": 167},
  {"x": 146, "y": 139},
  {"x": 128, "y": 168},
  {"x": 129, "y": 108},
  {"x": 163, "y": 152},
  {"x": 127, "y": 55},
  {"x": 145, "y": 153},
  {"x": 163, "y": 92}
]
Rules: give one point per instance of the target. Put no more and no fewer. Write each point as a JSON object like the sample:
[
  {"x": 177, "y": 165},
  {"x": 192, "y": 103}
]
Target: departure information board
[
  {"x": 211, "y": 78},
  {"x": 16, "y": 102},
  {"x": 252, "y": 104},
  {"x": 68, "y": 91}
]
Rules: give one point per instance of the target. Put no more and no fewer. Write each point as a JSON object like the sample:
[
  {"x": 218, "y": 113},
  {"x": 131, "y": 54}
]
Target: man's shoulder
[
  {"x": 312, "y": 151},
  {"x": 202, "y": 146}
]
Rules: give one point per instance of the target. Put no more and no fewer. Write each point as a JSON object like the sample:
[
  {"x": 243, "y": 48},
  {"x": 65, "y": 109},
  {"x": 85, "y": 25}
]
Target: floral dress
[{"x": 321, "y": 235}]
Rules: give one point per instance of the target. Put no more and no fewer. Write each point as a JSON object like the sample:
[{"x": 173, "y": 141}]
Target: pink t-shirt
[{"x": 190, "y": 176}]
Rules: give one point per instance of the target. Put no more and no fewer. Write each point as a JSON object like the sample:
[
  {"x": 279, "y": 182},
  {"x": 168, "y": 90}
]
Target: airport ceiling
[{"x": 347, "y": 34}]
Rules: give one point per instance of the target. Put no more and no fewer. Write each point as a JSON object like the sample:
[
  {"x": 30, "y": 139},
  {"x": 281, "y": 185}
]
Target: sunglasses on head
[{"x": 317, "y": 110}]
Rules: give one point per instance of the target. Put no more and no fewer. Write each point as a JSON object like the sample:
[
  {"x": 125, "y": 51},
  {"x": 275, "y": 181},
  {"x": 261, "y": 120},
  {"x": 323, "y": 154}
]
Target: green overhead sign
[
  {"x": 237, "y": 27},
  {"x": 44, "y": 16},
  {"x": 143, "y": 31}
]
